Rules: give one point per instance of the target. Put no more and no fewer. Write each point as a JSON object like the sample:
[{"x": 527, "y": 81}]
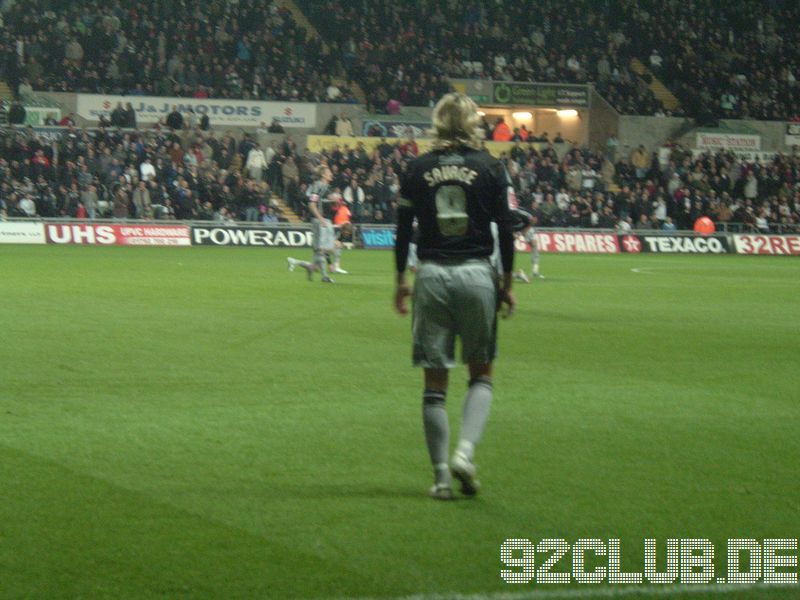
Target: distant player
[
  {"x": 455, "y": 192},
  {"x": 520, "y": 223},
  {"x": 342, "y": 238},
  {"x": 322, "y": 234},
  {"x": 528, "y": 235}
]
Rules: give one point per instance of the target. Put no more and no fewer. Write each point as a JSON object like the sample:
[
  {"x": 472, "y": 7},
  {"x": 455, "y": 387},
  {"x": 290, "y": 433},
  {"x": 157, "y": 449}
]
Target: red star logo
[{"x": 632, "y": 244}]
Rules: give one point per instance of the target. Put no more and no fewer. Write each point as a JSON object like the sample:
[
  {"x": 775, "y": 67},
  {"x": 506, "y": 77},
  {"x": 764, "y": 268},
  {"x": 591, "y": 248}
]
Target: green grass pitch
[{"x": 200, "y": 423}]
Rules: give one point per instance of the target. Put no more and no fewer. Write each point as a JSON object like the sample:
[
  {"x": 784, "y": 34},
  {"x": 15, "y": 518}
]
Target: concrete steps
[
  {"x": 287, "y": 212},
  {"x": 659, "y": 90}
]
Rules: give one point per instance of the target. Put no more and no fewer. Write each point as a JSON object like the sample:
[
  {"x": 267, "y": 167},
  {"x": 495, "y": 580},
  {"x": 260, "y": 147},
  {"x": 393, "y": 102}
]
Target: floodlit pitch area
[{"x": 201, "y": 423}]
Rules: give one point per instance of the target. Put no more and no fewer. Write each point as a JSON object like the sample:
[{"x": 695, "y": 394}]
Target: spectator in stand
[
  {"x": 120, "y": 202},
  {"x": 27, "y": 206},
  {"x": 118, "y": 116},
  {"x": 25, "y": 90},
  {"x": 174, "y": 119},
  {"x": 90, "y": 200},
  {"x": 410, "y": 148},
  {"x": 640, "y": 162},
  {"x": 129, "y": 119},
  {"x": 344, "y": 127},
  {"x": 501, "y": 131},
  {"x": 141, "y": 202},
  {"x": 256, "y": 163},
  {"x": 275, "y": 127},
  {"x": 269, "y": 215},
  {"x": 147, "y": 170},
  {"x": 355, "y": 198},
  {"x": 624, "y": 225},
  {"x": 342, "y": 214}
]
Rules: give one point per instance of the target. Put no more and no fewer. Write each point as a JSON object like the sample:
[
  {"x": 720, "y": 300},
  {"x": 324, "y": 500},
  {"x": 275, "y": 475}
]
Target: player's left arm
[{"x": 504, "y": 197}]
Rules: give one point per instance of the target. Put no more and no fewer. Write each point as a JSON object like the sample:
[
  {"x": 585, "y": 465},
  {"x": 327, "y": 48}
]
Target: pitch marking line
[
  {"x": 643, "y": 271},
  {"x": 597, "y": 592}
]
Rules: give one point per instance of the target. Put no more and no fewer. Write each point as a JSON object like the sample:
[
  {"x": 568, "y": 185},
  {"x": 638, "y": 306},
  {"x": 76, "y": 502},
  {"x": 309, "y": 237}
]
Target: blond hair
[{"x": 456, "y": 123}]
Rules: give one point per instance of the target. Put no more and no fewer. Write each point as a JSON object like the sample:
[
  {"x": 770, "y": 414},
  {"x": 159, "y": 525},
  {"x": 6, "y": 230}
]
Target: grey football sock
[
  {"x": 437, "y": 433},
  {"x": 322, "y": 265},
  {"x": 476, "y": 412},
  {"x": 304, "y": 264}
]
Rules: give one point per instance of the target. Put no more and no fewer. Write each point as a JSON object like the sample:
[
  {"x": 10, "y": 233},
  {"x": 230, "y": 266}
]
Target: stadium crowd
[
  {"x": 162, "y": 173},
  {"x": 195, "y": 174},
  {"x": 736, "y": 59},
  {"x": 153, "y": 174},
  {"x": 666, "y": 191},
  {"x": 404, "y": 51},
  {"x": 246, "y": 49},
  {"x": 722, "y": 59},
  {"x": 733, "y": 59}
]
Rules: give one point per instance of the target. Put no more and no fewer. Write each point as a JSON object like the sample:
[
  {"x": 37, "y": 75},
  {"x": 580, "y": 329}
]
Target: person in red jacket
[{"x": 502, "y": 132}]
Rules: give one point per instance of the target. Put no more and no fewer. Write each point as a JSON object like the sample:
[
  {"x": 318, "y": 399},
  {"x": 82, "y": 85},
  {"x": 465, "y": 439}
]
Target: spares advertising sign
[
  {"x": 577, "y": 242},
  {"x": 117, "y": 235},
  {"x": 674, "y": 244}
]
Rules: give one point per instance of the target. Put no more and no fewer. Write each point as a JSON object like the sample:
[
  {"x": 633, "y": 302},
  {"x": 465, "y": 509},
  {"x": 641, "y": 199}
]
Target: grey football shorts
[
  {"x": 323, "y": 236},
  {"x": 454, "y": 299}
]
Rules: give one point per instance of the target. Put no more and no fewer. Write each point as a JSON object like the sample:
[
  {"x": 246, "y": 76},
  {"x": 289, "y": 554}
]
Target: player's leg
[
  {"x": 535, "y": 259},
  {"x": 303, "y": 264},
  {"x": 337, "y": 257},
  {"x": 477, "y": 404},
  {"x": 321, "y": 264},
  {"x": 326, "y": 242},
  {"x": 476, "y": 307},
  {"x": 437, "y": 430},
  {"x": 313, "y": 265},
  {"x": 434, "y": 349}
]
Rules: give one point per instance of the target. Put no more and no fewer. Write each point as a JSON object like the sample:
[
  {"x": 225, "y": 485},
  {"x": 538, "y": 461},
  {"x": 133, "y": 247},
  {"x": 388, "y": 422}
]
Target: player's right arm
[
  {"x": 403, "y": 235},
  {"x": 313, "y": 207}
]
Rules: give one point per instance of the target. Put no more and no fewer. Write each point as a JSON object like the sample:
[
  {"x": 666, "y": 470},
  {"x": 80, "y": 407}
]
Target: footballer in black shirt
[{"x": 455, "y": 192}]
